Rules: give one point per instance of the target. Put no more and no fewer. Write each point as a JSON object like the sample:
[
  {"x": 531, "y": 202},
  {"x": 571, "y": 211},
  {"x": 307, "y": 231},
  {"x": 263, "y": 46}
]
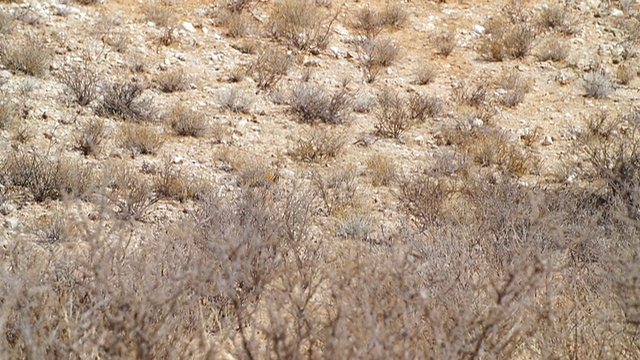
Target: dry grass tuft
[
  {"x": 625, "y": 73},
  {"x": 160, "y": 14},
  {"x": 301, "y": 23},
  {"x": 311, "y": 104},
  {"x": 187, "y": 122},
  {"x": 91, "y": 136},
  {"x": 506, "y": 40},
  {"x": 318, "y": 145},
  {"x": 425, "y": 74},
  {"x": 236, "y": 100},
  {"x": 122, "y": 99},
  {"x": 598, "y": 84},
  {"x": 445, "y": 42},
  {"x": 377, "y": 54},
  {"x": 553, "y": 49},
  {"x": 140, "y": 139},
  {"x": 172, "y": 81},
  {"x": 30, "y": 56},
  {"x": 382, "y": 170},
  {"x": 514, "y": 88},
  {"x": 269, "y": 67}
]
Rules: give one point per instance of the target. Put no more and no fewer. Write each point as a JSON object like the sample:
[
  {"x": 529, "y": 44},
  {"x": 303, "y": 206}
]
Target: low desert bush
[
  {"x": 238, "y": 24},
  {"x": 312, "y": 104},
  {"x": 425, "y": 74},
  {"x": 140, "y": 139},
  {"x": 122, "y": 99},
  {"x": 425, "y": 199},
  {"x": 625, "y": 73},
  {"x": 475, "y": 94},
  {"x": 160, "y": 14},
  {"x": 301, "y": 23},
  {"x": 269, "y": 67},
  {"x": 396, "y": 114},
  {"x": 170, "y": 183},
  {"x": 318, "y": 145},
  {"x": 382, "y": 170},
  {"x": 377, "y": 54},
  {"x": 559, "y": 18},
  {"x": 236, "y": 100},
  {"x": 598, "y": 84},
  {"x": 46, "y": 177},
  {"x": 339, "y": 192},
  {"x": 445, "y": 42},
  {"x": 172, "y": 81},
  {"x": 29, "y": 55},
  {"x": 507, "y": 40},
  {"x": 514, "y": 88},
  {"x": 90, "y": 137},
  {"x": 187, "y": 122},
  {"x": 82, "y": 81},
  {"x": 370, "y": 22},
  {"x": 130, "y": 193},
  {"x": 553, "y": 49}
]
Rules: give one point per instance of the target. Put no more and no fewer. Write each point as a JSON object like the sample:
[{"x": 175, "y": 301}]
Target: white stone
[
  {"x": 188, "y": 26},
  {"x": 181, "y": 56},
  {"x": 419, "y": 139},
  {"x": 548, "y": 140},
  {"x": 617, "y": 12},
  {"x": 178, "y": 160},
  {"x": 341, "y": 30},
  {"x": 11, "y": 222},
  {"x": 479, "y": 29},
  {"x": 337, "y": 52}
]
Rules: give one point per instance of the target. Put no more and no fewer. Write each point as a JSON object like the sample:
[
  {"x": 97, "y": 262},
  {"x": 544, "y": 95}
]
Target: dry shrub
[
  {"x": 7, "y": 22},
  {"x": 445, "y": 42},
  {"x": 46, "y": 177},
  {"x": 172, "y": 81},
  {"x": 82, "y": 81},
  {"x": 187, "y": 122},
  {"x": 118, "y": 40},
  {"x": 363, "y": 103},
  {"x": 553, "y": 49},
  {"x": 236, "y": 100},
  {"x": 238, "y": 24},
  {"x": 269, "y": 67},
  {"x": 338, "y": 192},
  {"x": 140, "y": 139},
  {"x": 236, "y": 6},
  {"x": 396, "y": 114},
  {"x": 91, "y": 135},
  {"x": 311, "y": 104},
  {"x": 598, "y": 84},
  {"x": 507, "y": 40},
  {"x": 376, "y": 54},
  {"x": 29, "y": 55},
  {"x": 475, "y": 94},
  {"x": 370, "y": 22},
  {"x": 356, "y": 225},
  {"x": 425, "y": 199},
  {"x": 382, "y": 169},
  {"x": 256, "y": 175},
  {"x": 122, "y": 99},
  {"x": 318, "y": 145},
  {"x": 170, "y": 183},
  {"x": 301, "y": 23},
  {"x": 625, "y": 73},
  {"x": 167, "y": 37},
  {"x": 394, "y": 15},
  {"x": 559, "y": 18},
  {"x": 8, "y": 112},
  {"x": 514, "y": 87},
  {"x": 160, "y": 14},
  {"x": 425, "y": 74}
]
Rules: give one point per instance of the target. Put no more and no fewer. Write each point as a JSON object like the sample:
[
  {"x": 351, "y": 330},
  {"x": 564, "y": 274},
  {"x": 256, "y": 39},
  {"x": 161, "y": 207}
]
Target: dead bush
[
  {"x": 46, "y": 177},
  {"x": 160, "y": 14},
  {"x": 507, "y": 40},
  {"x": 376, "y": 54},
  {"x": 301, "y": 23},
  {"x": 396, "y": 114},
  {"x": 368, "y": 22},
  {"x": 122, "y": 99},
  {"x": 425, "y": 74},
  {"x": 170, "y": 183},
  {"x": 475, "y": 94},
  {"x": 513, "y": 89},
  {"x": 269, "y": 67},
  {"x": 625, "y": 73},
  {"x": 91, "y": 135},
  {"x": 382, "y": 169},
  {"x": 338, "y": 192},
  {"x": 140, "y": 139},
  {"x": 425, "y": 199},
  {"x": 172, "y": 81},
  {"x": 131, "y": 194},
  {"x": 238, "y": 24},
  {"x": 553, "y": 49},
  {"x": 187, "y": 122},
  {"x": 29, "y": 55},
  {"x": 311, "y": 103},
  {"x": 445, "y": 42},
  {"x": 559, "y": 18},
  {"x": 598, "y": 84},
  {"x": 318, "y": 145},
  {"x": 82, "y": 81},
  {"x": 236, "y": 100}
]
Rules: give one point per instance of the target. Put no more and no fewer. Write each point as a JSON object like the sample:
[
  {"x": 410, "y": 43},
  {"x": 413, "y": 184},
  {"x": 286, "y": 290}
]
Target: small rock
[
  {"x": 419, "y": 139},
  {"x": 548, "y": 140},
  {"x": 286, "y": 173},
  {"x": 181, "y": 56},
  {"x": 188, "y": 26},
  {"x": 177, "y": 160},
  {"x": 205, "y": 30},
  {"x": 341, "y": 30},
  {"x": 479, "y": 29},
  {"x": 11, "y": 222},
  {"x": 616, "y": 12},
  {"x": 477, "y": 122},
  {"x": 337, "y": 52},
  {"x": 7, "y": 208},
  {"x": 5, "y": 75}
]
